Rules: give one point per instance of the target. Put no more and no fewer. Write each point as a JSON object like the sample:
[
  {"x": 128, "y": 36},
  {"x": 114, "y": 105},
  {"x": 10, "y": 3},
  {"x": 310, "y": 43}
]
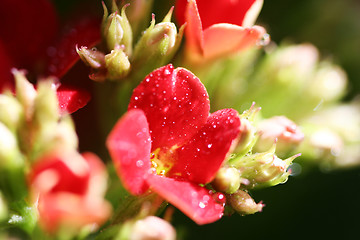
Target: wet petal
[
  {"x": 195, "y": 201},
  {"x": 200, "y": 159},
  {"x": 129, "y": 146},
  {"x": 221, "y": 39},
  {"x": 71, "y": 99},
  {"x": 175, "y": 103},
  {"x": 63, "y": 55}
]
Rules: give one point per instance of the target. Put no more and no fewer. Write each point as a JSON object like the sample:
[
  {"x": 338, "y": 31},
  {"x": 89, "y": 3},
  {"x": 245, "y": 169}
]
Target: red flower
[
  {"x": 168, "y": 142},
  {"x": 29, "y": 29},
  {"x": 215, "y": 28},
  {"x": 70, "y": 189}
]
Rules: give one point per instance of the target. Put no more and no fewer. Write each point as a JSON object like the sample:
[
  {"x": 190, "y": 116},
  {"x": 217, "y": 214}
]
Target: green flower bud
[
  {"x": 11, "y": 112},
  {"x": 227, "y": 180},
  {"x": 92, "y": 58},
  {"x": 243, "y": 203},
  {"x": 117, "y": 64},
  {"x": 157, "y": 45},
  {"x": 117, "y": 30},
  {"x": 263, "y": 169},
  {"x": 248, "y": 131},
  {"x": 25, "y": 92},
  {"x": 10, "y": 156},
  {"x": 46, "y": 106}
]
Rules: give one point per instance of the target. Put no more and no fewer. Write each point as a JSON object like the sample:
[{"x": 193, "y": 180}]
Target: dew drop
[
  {"x": 139, "y": 163},
  {"x": 209, "y": 145},
  {"x": 202, "y": 205},
  {"x": 167, "y": 72}
]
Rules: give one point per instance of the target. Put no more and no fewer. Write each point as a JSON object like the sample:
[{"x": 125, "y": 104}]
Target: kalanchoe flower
[
  {"x": 217, "y": 28},
  {"x": 168, "y": 142},
  {"x": 69, "y": 190},
  {"x": 117, "y": 64}
]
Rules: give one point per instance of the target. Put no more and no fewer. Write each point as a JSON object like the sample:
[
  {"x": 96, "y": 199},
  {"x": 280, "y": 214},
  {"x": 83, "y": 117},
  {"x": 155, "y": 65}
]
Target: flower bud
[
  {"x": 46, "y": 107},
  {"x": 117, "y": 30},
  {"x": 264, "y": 169},
  {"x": 280, "y": 129},
  {"x": 243, "y": 203},
  {"x": 117, "y": 64},
  {"x": 157, "y": 45},
  {"x": 92, "y": 58},
  {"x": 329, "y": 84},
  {"x": 25, "y": 92},
  {"x": 149, "y": 228},
  {"x": 10, "y": 156},
  {"x": 248, "y": 131},
  {"x": 11, "y": 111},
  {"x": 227, "y": 180}
]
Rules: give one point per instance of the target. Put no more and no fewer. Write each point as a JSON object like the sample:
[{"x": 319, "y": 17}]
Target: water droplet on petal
[
  {"x": 139, "y": 163},
  {"x": 209, "y": 145}
]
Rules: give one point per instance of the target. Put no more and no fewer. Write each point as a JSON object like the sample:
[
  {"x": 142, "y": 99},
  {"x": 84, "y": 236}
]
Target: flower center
[{"x": 162, "y": 160}]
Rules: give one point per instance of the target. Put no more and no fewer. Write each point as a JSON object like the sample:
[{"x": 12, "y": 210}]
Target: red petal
[
  {"x": 215, "y": 11},
  {"x": 195, "y": 201},
  {"x": 175, "y": 103},
  {"x": 200, "y": 159},
  {"x": 193, "y": 30},
  {"x": 28, "y": 27},
  {"x": 220, "y": 39},
  {"x": 60, "y": 173},
  {"x": 71, "y": 99},
  {"x": 85, "y": 32},
  {"x": 129, "y": 146}
]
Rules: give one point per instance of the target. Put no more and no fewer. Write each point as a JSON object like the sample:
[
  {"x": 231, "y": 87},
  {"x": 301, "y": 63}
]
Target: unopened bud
[
  {"x": 280, "y": 129},
  {"x": 157, "y": 45},
  {"x": 10, "y": 156},
  {"x": 248, "y": 131},
  {"x": 11, "y": 111},
  {"x": 25, "y": 92},
  {"x": 117, "y": 30},
  {"x": 243, "y": 203},
  {"x": 264, "y": 169},
  {"x": 46, "y": 107},
  {"x": 329, "y": 83},
  {"x": 93, "y": 58},
  {"x": 149, "y": 228},
  {"x": 117, "y": 64},
  {"x": 227, "y": 180}
]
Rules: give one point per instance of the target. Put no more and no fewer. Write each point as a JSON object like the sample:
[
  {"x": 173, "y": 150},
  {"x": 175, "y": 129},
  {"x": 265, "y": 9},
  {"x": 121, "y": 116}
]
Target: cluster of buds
[
  {"x": 154, "y": 48},
  {"x": 41, "y": 170},
  {"x": 245, "y": 170}
]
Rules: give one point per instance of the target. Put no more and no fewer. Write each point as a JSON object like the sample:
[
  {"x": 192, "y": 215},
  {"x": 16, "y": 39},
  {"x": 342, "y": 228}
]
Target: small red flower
[
  {"x": 70, "y": 189},
  {"x": 215, "y": 28},
  {"x": 168, "y": 142}
]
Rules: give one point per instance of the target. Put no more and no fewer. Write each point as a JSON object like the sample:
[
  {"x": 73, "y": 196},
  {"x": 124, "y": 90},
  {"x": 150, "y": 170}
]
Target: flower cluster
[{"x": 145, "y": 109}]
